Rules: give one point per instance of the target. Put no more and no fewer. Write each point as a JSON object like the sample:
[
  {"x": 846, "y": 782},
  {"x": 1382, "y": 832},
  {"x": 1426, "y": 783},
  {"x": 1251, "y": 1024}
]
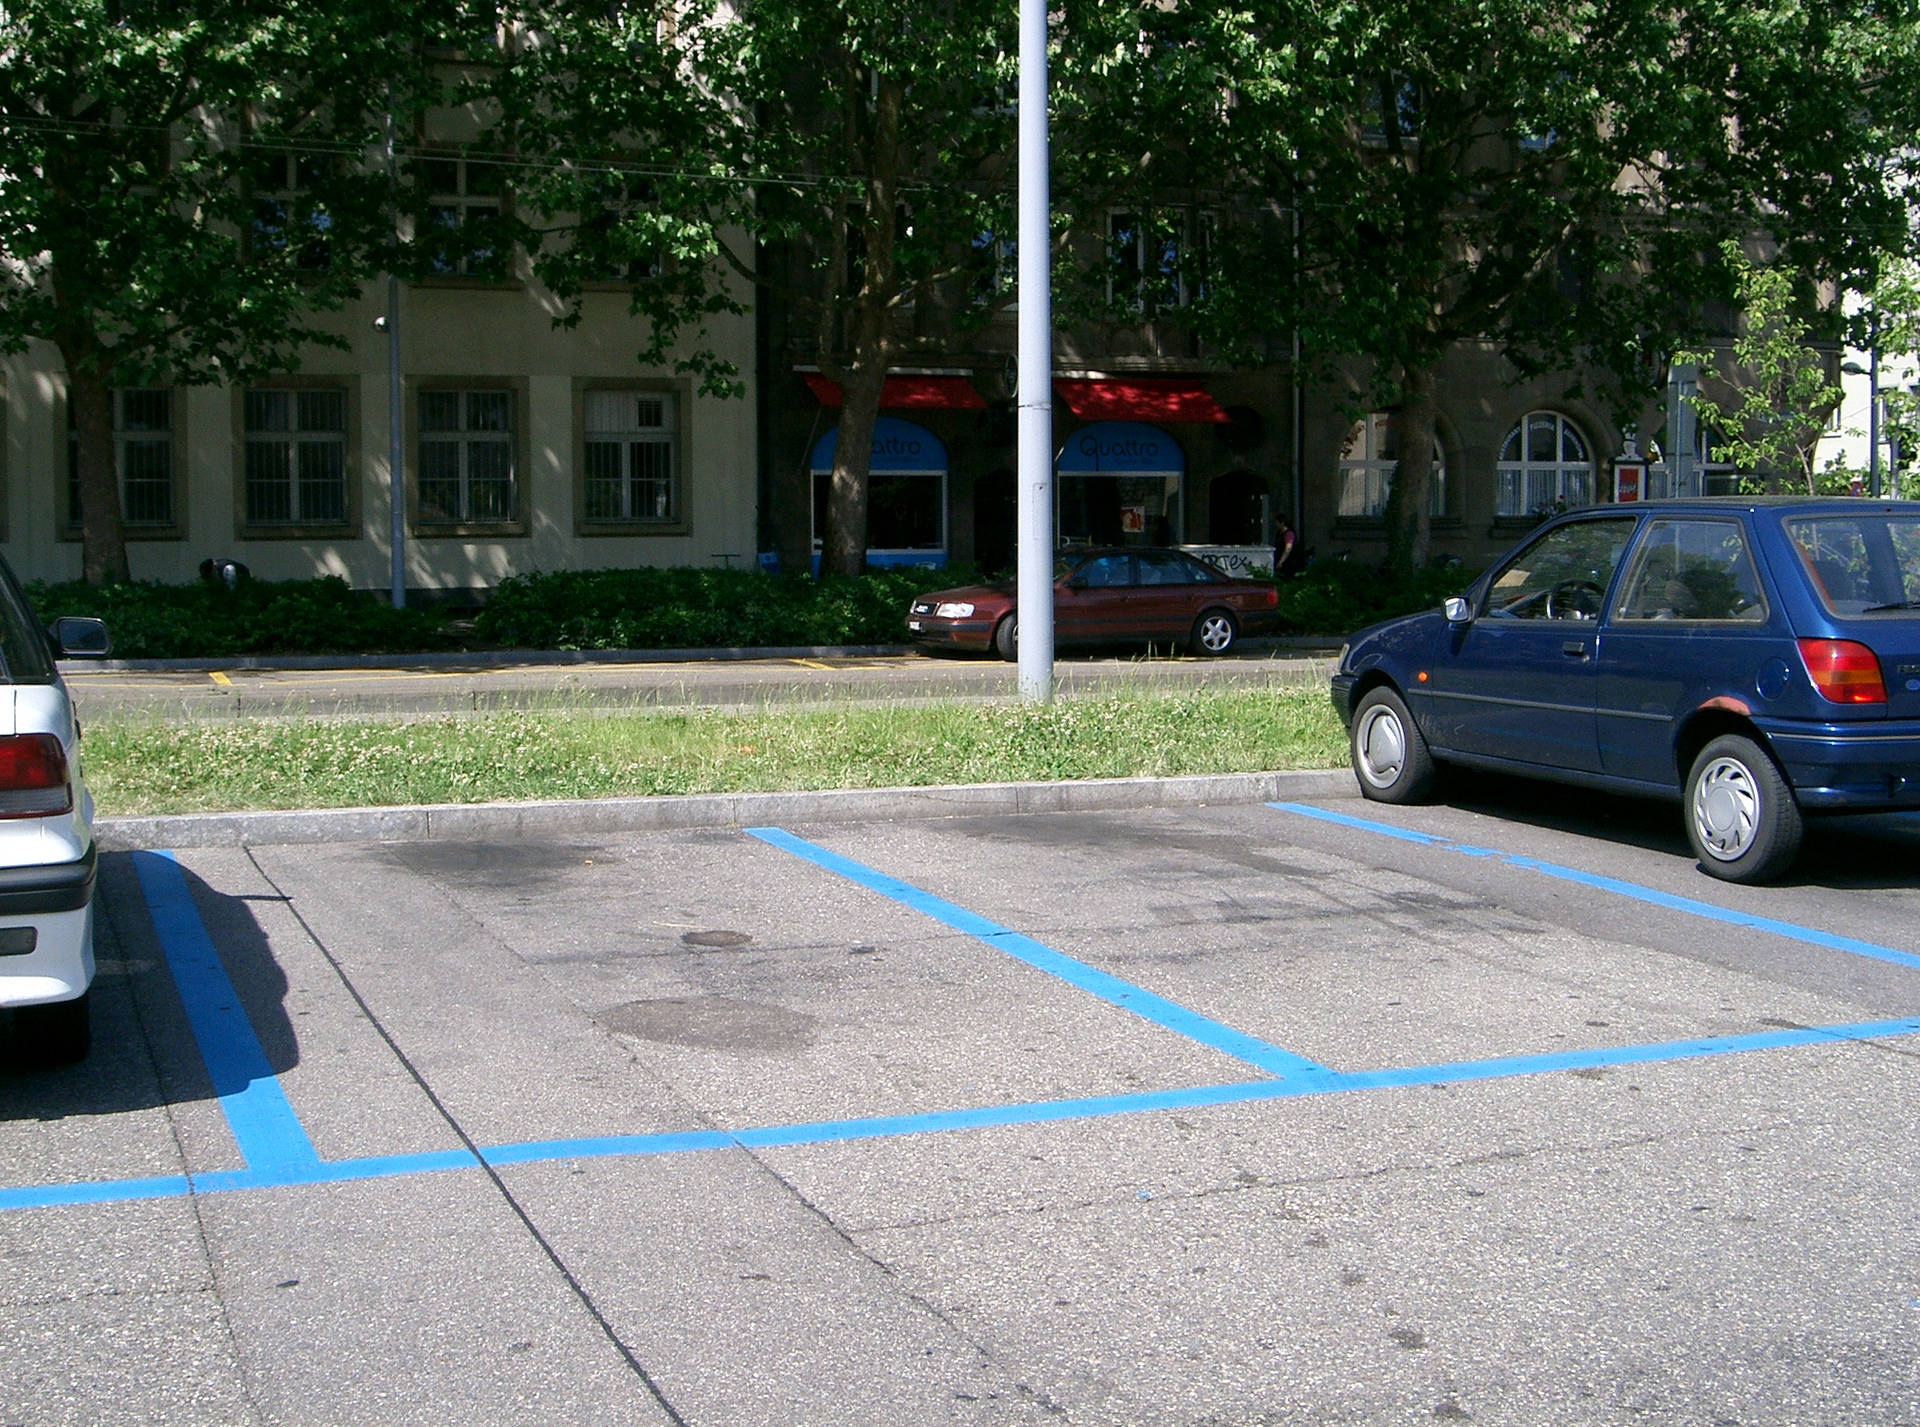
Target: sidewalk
[{"x": 373, "y": 686}]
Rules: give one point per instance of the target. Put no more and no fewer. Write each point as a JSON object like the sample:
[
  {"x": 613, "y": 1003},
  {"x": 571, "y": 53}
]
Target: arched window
[
  {"x": 1545, "y": 466},
  {"x": 1367, "y": 462}
]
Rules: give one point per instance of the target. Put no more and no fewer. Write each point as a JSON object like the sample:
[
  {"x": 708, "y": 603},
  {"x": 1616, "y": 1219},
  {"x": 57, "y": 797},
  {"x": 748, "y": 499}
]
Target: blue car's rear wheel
[
  {"x": 1741, "y": 817},
  {"x": 1390, "y": 756}
]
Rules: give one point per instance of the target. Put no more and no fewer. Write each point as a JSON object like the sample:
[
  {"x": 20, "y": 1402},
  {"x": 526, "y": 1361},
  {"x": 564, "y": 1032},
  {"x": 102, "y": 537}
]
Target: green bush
[
  {"x": 622, "y": 609},
  {"x": 204, "y": 620},
  {"x": 701, "y": 609},
  {"x": 1336, "y": 597}
]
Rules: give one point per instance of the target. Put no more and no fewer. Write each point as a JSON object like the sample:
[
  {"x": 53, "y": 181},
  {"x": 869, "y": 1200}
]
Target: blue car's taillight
[{"x": 1845, "y": 671}]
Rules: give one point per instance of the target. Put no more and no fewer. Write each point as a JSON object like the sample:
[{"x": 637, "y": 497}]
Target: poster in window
[{"x": 1133, "y": 520}]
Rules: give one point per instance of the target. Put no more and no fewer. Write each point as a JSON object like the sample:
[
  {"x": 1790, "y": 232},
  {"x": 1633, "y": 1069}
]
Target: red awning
[
  {"x": 910, "y": 392},
  {"x": 1138, "y": 399}
]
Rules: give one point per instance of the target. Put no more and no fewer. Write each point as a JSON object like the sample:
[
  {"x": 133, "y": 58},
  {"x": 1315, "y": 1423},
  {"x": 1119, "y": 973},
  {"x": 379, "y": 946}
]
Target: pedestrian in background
[{"x": 1285, "y": 546}]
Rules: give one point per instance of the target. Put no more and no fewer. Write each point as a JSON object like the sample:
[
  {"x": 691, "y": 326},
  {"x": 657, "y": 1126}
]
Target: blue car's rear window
[{"x": 1860, "y": 564}]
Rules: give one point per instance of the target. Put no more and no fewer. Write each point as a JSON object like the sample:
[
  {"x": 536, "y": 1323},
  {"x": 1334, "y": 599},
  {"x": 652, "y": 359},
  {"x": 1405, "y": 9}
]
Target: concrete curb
[{"x": 485, "y": 822}]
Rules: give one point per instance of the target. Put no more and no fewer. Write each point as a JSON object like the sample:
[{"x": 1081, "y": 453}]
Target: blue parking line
[
  {"x": 264, "y": 1126},
  {"x": 1812, "y": 936},
  {"x": 1106, "y": 987},
  {"x": 833, "y": 1132}
]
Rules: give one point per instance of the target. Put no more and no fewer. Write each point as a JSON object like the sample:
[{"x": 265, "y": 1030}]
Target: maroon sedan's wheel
[
  {"x": 1006, "y": 638},
  {"x": 1215, "y": 632}
]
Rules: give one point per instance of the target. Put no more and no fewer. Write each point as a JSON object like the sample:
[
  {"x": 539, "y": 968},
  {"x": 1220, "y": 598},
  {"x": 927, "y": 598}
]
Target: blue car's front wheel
[{"x": 1390, "y": 756}]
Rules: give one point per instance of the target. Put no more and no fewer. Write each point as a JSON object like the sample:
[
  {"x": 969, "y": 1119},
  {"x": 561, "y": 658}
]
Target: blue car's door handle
[{"x": 1574, "y": 649}]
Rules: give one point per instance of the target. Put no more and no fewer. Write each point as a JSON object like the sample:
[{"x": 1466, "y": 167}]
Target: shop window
[
  {"x": 1367, "y": 464},
  {"x": 631, "y": 470},
  {"x": 1545, "y": 466},
  {"x": 143, "y": 458},
  {"x": 905, "y": 510},
  {"x": 295, "y": 464},
  {"x": 467, "y": 457}
]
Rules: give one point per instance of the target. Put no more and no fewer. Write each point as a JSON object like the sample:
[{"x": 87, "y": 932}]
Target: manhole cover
[
  {"x": 713, "y": 1023},
  {"x": 716, "y": 938}
]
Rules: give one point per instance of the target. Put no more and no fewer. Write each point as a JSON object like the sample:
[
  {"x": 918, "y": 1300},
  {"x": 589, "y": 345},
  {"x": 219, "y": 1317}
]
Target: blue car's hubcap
[
  {"x": 1726, "y": 809},
  {"x": 1382, "y": 746}
]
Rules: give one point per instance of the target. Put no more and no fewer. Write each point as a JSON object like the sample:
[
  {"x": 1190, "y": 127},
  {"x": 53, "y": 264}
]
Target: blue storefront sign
[
  {"x": 899, "y": 448},
  {"x": 1120, "y": 448}
]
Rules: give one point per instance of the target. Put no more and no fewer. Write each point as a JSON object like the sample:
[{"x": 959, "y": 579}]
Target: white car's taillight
[{"x": 33, "y": 777}]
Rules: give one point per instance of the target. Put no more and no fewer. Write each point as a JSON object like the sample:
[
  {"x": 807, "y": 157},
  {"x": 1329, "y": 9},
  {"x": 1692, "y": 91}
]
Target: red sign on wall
[{"x": 1629, "y": 480}]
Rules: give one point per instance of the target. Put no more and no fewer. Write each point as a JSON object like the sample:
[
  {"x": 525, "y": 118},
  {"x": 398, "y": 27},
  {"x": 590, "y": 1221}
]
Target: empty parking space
[{"x": 1309, "y": 1111}]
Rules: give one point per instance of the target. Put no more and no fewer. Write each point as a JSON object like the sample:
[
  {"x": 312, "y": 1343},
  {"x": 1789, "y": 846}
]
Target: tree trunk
[
  {"x": 1410, "y": 497},
  {"x": 845, "y": 551},
  {"x": 869, "y": 334},
  {"x": 103, "y": 541}
]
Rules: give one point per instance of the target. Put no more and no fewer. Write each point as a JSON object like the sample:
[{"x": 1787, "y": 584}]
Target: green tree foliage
[
  {"x": 852, "y": 157},
  {"x": 1778, "y": 393},
  {"x": 1551, "y": 176},
  {"x": 184, "y": 187}
]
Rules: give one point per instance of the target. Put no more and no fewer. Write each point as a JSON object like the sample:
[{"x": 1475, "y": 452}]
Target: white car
[{"x": 47, "y": 857}]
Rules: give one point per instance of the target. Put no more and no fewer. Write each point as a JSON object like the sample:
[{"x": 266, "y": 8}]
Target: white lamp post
[{"x": 1034, "y": 395}]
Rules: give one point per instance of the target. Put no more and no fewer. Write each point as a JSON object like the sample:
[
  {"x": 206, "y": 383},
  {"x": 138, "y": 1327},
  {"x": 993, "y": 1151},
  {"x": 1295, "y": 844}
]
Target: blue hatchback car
[{"x": 1758, "y": 659}]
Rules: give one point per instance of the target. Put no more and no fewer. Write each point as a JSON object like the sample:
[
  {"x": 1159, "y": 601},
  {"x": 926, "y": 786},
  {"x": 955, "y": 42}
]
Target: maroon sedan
[{"x": 1133, "y": 595}]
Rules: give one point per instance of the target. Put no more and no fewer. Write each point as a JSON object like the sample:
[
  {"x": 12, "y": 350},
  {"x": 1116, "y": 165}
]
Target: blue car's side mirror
[{"x": 1458, "y": 611}]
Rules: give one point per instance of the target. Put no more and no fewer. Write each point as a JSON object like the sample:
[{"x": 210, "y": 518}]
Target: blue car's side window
[
  {"x": 1692, "y": 569},
  {"x": 1561, "y": 576}
]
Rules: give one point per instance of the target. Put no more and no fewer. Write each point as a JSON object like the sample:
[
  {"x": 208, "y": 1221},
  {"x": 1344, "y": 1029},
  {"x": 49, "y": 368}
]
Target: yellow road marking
[
  {"x": 221, "y": 679},
  {"x": 812, "y": 664}
]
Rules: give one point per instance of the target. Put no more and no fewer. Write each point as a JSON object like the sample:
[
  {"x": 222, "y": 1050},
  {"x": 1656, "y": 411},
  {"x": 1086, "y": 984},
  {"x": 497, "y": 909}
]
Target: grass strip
[{"x": 144, "y": 766}]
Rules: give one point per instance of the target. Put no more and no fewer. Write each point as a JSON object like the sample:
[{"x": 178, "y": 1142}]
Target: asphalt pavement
[{"x": 1299, "y": 1111}]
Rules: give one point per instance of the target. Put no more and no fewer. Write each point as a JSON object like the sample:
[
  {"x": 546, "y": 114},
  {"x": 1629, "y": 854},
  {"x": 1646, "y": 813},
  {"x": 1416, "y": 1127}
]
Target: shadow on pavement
[{"x": 144, "y": 1051}]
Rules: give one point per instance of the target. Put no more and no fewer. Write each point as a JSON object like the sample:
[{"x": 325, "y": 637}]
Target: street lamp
[
  {"x": 1872, "y": 374},
  {"x": 1034, "y": 587}
]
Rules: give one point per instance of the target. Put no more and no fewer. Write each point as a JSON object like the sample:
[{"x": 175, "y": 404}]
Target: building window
[
  {"x": 1545, "y": 466},
  {"x": 296, "y": 457},
  {"x": 1157, "y": 260},
  {"x": 612, "y": 247},
  {"x": 993, "y": 269},
  {"x": 1366, "y": 469},
  {"x": 465, "y": 233},
  {"x": 1391, "y": 108},
  {"x": 466, "y": 459},
  {"x": 142, "y": 456},
  {"x": 286, "y": 216},
  {"x": 630, "y": 467}
]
